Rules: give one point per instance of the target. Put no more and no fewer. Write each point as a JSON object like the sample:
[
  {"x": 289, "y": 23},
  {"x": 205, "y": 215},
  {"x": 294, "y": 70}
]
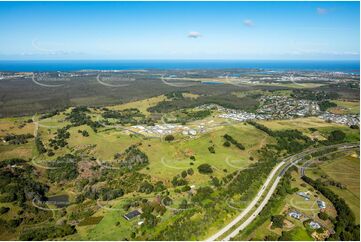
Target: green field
[
  {"x": 346, "y": 170},
  {"x": 99, "y": 215},
  {"x": 349, "y": 107},
  {"x": 175, "y": 155},
  {"x": 299, "y": 123},
  {"x": 293, "y": 227}
]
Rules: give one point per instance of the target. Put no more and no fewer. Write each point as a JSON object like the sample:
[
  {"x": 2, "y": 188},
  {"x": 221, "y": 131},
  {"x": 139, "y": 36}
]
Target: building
[
  {"x": 315, "y": 225},
  {"x": 131, "y": 215},
  {"x": 192, "y": 132},
  {"x": 304, "y": 195},
  {"x": 321, "y": 204},
  {"x": 295, "y": 214}
]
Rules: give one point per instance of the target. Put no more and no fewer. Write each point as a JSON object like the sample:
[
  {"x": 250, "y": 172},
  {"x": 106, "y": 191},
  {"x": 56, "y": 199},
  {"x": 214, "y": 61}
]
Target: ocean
[{"x": 349, "y": 66}]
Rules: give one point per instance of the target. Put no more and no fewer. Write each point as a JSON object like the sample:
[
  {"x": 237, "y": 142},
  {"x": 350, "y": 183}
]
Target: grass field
[
  {"x": 299, "y": 234},
  {"x": 111, "y": 227},
  {"x": 174, "y": 156},
  {"x": 346, "y": 170},
  {"x": 310, "y": 207},
  {"x": 349, "y": 107},
  {"x": 24, "y": 151},
  {"x": 298, "y": 123},
  {"x": 323, "y": 128},
  {"x": 168, "y": 159},
  {"x": 16, "y": 126},
  {"x": 142, "y": 105},
  {"x": 352, "y": 135}
]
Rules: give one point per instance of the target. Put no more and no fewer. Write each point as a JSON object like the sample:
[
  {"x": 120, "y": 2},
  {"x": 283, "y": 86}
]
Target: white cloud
[
  {"x": 43, "y": 50},
  {"x": 248, "y": 23},
  {"x": 321, "y": 11},
  {"x": 194, "y": 35}
]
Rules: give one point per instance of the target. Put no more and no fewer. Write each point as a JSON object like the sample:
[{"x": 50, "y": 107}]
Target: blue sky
[{"x": 180, "y": 30}]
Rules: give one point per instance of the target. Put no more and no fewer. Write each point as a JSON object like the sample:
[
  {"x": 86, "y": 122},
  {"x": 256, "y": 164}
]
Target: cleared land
[{"x": 298, "y": 123}]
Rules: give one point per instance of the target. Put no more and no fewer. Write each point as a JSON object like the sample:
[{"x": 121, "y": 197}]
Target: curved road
[
  {"x": 249, "y": 207},
  {"x": 289, "y": 161}
]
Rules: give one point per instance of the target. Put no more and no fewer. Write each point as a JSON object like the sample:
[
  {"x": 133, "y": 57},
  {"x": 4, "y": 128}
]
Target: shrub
[
  {"x": 226, "y": 144},
  {"x": 277, "y": 221},
  {"x": 146, "y": 187},
  {"x": 336, "y": 136},
  {"x": 323, "y": 215},
  {"x": 169, "y": 138},
  {"x": 205, "y": 169},
  {"x": 85, "y": 133},
  {"x": 186, "y": 188},
  {"x": 184, "y": 174},
  {"x": 4, "y": 210},
  {"x": 190, "y": 171}
]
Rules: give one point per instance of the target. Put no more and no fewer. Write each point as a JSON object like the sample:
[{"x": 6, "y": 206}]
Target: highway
[
  {"x": 287, "y": 163},
  {"x": 309, "y": 162},
  {"x": 249, "y": 207}
]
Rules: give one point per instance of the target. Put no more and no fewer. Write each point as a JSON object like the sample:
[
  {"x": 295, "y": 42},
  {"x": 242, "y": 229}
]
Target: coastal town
[{"x": 270, "y": 108}]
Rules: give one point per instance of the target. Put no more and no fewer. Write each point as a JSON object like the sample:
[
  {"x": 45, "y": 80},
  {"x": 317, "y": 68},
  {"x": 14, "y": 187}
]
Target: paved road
[
  {"x": 249, "y": 207},
  {"x": 309, "y": 162},
  {"x": 290, "y": 161}
]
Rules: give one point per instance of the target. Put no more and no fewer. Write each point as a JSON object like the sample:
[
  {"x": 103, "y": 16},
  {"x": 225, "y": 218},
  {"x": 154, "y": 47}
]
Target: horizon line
[{"x": 180, "y": 59}]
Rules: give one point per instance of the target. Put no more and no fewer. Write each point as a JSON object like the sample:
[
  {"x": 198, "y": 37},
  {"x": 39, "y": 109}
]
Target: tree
[
  {"x": 39, "y": 145},
  {"x": 184, "y": 174},
  {"x": 146, "y": 187},
  {"x": 4, "y": 210},
  {"x": 202, "y": 194},
  {"x": 169, "y": 138},
  {"x": 150, "y": 220},
  {"x": 354, "y": 126},
  {"x": 47, "y": 233},
  {"x": 167, "y": 201},
  {"x": 183, "y": 204},
  {"x": 205, "y": 169},
  {"x": 51, "y": 153},
  {"x": 190, "y": 171},
  {"x": 230, "y": 140},
  {"x": 286, "y": 236},
  {"x": 177, "y": 181},
  {"x": 324, "y": 105},
  {"x": 186, "y": 188},
  {"x": 323, "y": 215},
  {"x": 336, "y": 136},
  {"x": 277, "y": 221},
  {"x": 226, "y": 144},
  {"x": 159, "y": 186},
  {"x": 215, "y": 182},
  {"x": 85, "y": 133}
]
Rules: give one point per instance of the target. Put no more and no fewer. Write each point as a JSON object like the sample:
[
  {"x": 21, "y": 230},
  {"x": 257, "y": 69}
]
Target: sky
[{"x": 180, "y": 30}]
